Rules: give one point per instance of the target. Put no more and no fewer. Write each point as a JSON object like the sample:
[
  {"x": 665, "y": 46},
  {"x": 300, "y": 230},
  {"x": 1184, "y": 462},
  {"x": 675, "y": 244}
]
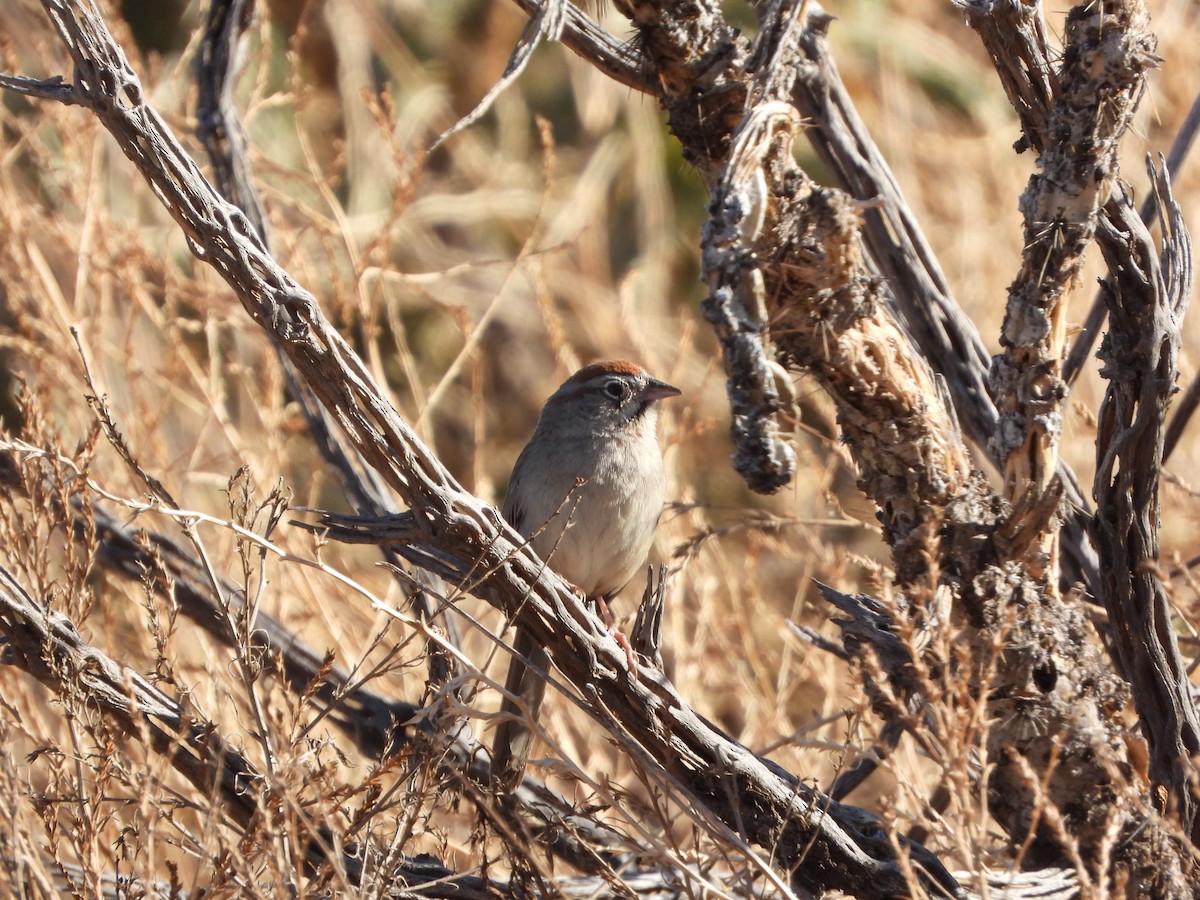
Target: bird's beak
[{"x": 659, "y": 390}]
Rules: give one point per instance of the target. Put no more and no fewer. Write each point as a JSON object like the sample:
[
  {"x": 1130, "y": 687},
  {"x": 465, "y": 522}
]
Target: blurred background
[{"x": 559, "y": 229}]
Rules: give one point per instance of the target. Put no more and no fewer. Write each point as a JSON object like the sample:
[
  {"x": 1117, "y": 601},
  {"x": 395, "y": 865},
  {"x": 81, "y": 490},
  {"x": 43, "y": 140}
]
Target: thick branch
[
  {"x": 913, "y": 277},
  {"x": 823, "y": 845},
  {"x": 1052, "y": 700},
  {"x": 1101, "y": 79},
  {"x": 1140, "y": 353}
]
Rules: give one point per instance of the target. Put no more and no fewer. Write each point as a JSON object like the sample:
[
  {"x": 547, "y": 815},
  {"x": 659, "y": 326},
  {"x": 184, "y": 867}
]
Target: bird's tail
[{"x": 524, "y": 688}]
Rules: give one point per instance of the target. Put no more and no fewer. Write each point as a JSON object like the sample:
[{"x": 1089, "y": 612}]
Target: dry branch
[
  {"x": 1146, "y": 305},
  {"x": 382, "y": 729},
  {"x": 224, "y": 139},
  {"x": 454, "y": 534},
  {"x": 1090, "y": 330},
  {"x": 1057, "y": 742},
  {"x": 792, "y": 281},
  {"x": 913, "y": 278},
  {"x": 1108, "y": 51},
  {"x": 822, "y": 844},
  {"x": 217, "y": 124},
  {"x": 47, "y": 645}
]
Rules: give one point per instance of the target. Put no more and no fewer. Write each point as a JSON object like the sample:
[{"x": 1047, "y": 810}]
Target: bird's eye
[{"x": 615, "y": 389}]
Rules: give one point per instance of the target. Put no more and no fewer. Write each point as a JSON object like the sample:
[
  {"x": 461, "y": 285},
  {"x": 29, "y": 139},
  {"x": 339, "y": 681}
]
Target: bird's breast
[{"x": 595, "y": 523}]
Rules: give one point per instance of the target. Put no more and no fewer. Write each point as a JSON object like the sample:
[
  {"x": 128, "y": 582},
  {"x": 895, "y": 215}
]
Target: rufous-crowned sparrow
[{"x": 586, "y": 491}]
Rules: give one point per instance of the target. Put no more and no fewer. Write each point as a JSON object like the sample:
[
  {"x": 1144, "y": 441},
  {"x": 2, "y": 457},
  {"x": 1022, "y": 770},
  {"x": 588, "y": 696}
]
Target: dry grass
[{"x": 472, "y": 280}]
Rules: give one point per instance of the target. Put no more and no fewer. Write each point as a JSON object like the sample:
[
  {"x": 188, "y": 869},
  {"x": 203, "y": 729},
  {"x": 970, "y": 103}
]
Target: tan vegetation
[{"x": 146, "y": 412}]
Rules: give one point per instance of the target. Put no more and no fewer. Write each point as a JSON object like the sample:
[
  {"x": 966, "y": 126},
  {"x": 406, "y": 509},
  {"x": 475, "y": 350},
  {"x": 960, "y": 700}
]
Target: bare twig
[
  {"x": 47, "y": 645},
  {"x": 547, "y": 22},
  {"x": 217, "y": 123},
  {"x": 620, "y": 61},
  {"x": 1185, "y": 408}
]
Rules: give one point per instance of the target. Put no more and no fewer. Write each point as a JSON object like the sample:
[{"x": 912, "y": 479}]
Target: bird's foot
[{"x": 606, "y": 617}]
